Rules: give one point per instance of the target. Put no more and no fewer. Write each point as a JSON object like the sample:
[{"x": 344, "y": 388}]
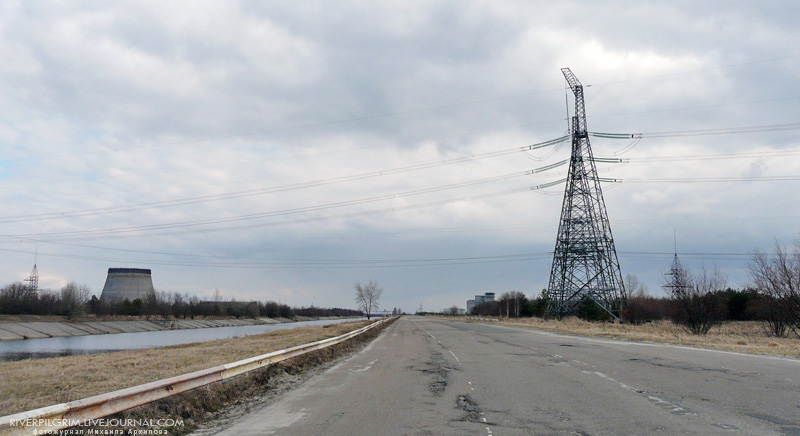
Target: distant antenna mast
[
  {"x": 675, "y": 241},
  {"x": 33, "y": 279}
]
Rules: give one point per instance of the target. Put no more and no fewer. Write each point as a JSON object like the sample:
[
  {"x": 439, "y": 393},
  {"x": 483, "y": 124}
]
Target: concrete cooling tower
[{"x": 130, "y": 283}]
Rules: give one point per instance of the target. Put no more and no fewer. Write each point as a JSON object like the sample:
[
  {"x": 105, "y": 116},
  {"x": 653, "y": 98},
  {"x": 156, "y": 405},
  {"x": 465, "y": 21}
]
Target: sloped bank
[
  {"x": 11, "y": 331},
  {"x": 31, "y": 384},
  {"x": 193, "y": 406}
]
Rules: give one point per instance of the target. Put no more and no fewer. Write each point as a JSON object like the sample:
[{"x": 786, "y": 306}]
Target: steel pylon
[{"x": 585, "y": 265}]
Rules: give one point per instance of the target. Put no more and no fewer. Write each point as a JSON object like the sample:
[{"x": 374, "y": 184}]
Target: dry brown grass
[
  {"x": 742, "y": 336},
  {"x": 234, "y": 398},
  {"x": 30, "y": 384}
]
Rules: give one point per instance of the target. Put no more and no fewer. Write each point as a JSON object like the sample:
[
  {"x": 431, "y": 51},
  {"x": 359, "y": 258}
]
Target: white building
[{"x": 485, "y": 298}]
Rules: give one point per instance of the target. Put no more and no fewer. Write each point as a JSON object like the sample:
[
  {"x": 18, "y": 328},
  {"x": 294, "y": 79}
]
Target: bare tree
[
  {"x": 452, "y": 310},
  {"x": 697, "y": 306},
  {"x": 17, "y": 298},
  {"x": 777, "y": 279},
  {"x": 633, "y": 287},
  {"x": 513, "y": 303},
  {"x": 368, "y": 297},
  {"x": 74, "y": 298},
  {"x": 639, "y": 307}
]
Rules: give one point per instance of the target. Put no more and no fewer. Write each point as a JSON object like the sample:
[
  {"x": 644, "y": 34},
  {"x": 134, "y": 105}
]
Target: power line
[
  {"x": 197, "y": 223},
  {"x": 700, "y": 132},
  {"x": 282, "y": 188},
  {"x": 320, "y": 182},
  {"x": 272, "y": 159},
  {"x": 318, "y": 263},
  {"x": 745, "y": 155},
  {"x": 703, "y": 179},
  {"x": 297, "y": 263}
]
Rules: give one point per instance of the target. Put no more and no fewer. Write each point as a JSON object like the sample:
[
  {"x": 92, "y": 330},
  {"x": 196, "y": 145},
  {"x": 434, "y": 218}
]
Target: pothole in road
[
  {"x": 468, "y": 404},
  {"x": 439, "y": 371},
  {"x": 439, "y": 382}
]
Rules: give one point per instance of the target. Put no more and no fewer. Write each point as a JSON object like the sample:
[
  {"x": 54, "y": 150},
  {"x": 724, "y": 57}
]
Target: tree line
[
  {"x": 74, "y": 299},
  {"x": 696, "y": 300}
]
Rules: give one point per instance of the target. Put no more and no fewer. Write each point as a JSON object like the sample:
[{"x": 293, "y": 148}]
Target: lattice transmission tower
[
  {"x": 33, "y": 279},
  {"x": 585, "y": 265}
]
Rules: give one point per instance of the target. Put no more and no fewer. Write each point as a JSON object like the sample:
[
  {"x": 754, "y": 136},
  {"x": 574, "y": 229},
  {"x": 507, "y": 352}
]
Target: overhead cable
[
  {"x": 199, "y": 223},
  {"x": 702, "y": 179},
  {"x": 701, "y": 132},
  {"x": 274, "y": 189}
]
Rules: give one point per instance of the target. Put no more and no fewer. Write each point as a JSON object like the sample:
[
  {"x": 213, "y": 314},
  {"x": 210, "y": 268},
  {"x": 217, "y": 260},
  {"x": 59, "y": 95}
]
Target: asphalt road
[{"x": 432, "y": 377}]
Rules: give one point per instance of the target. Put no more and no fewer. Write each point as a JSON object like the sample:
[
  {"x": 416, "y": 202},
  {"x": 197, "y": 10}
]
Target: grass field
[
  {"x": 741, "y": 336},
  {"x": 30, "y": 384}
]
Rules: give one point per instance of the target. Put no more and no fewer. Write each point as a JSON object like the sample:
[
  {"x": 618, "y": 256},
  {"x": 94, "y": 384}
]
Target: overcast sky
[{"x": 280, "y": 150}]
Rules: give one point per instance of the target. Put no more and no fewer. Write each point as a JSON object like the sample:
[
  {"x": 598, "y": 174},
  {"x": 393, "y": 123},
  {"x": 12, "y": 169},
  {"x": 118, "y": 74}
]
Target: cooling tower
[{"x": 130, "y": 283}]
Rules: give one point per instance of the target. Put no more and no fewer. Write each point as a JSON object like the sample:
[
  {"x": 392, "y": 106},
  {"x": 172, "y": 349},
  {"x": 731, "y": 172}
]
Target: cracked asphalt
[{"x": 432, "y": 377}]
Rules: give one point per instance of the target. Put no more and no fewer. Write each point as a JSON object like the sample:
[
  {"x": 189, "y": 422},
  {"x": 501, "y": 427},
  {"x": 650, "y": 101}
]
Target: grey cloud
[{"x": 123, "y": 101}]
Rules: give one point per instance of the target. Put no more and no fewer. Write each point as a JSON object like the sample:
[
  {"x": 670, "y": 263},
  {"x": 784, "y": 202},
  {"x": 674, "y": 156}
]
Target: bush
[
  {"x": 777, "y": 279},
  {"x": 641, "y": 309}
]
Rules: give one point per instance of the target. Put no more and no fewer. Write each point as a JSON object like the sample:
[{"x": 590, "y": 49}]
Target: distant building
[
  {"x": 130, "y": 283},
  {"x": 485, "y": 298}
]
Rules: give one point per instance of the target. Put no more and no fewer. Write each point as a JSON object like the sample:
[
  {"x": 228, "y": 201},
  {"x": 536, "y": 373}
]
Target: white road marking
[
  {"x": 454, "y": 355},
  {"x": 366, "y": 368},
  {"x": 676, "y": 408},
  {"x": 488, "y": 429}
]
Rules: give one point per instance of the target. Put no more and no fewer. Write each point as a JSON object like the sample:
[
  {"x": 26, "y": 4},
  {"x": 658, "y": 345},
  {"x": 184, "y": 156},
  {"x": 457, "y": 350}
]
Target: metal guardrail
[{"x": 65, "y": 415}]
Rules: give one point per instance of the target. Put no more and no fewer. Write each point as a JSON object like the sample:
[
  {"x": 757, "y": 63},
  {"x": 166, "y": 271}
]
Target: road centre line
[{"x": 454, "y": 355}]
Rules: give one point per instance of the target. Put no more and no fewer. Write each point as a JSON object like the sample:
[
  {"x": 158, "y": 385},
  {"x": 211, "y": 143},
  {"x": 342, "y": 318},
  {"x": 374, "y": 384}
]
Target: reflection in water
[
  {"x": 54, "y": 347},
  {"x": 22, "y": 355}
]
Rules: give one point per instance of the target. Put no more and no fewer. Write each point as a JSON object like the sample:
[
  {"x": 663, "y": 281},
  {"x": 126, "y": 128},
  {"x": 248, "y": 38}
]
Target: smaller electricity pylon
[{"x": 33, "y": 279}]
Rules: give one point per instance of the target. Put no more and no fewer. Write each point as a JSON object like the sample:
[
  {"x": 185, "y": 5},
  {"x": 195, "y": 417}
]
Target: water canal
[{"x": 67, "y": 346}]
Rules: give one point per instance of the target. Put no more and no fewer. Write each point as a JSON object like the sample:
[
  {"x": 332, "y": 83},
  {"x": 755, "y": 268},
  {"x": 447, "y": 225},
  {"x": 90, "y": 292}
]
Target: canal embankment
[
  {"x": 39, "y": 329},
  {"x": 27, "y": 385},
  {"x": 40, "y": 348}
]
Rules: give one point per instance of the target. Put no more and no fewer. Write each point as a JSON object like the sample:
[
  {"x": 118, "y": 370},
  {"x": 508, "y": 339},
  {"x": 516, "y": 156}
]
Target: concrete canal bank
[{"x": 11, "y": 331}]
